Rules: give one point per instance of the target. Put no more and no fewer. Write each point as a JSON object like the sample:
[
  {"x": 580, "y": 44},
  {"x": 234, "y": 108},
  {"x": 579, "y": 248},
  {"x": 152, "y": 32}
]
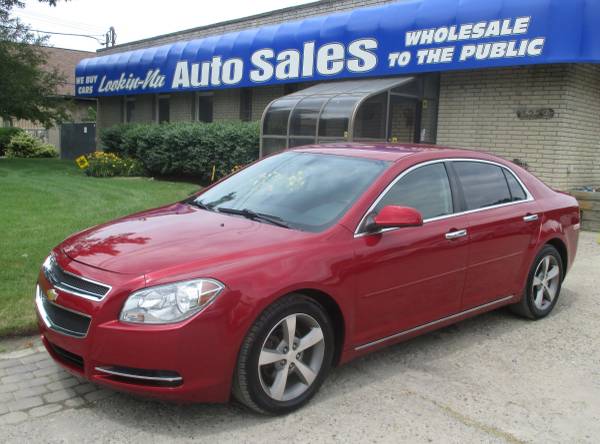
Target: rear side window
[
  {"x": 517, "y": 192},
  {"x": 483, "y": 184},
  {"x": 427, "y": 189}
]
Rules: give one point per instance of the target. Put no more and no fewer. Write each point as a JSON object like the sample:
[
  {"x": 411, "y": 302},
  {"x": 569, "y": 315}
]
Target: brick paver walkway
[{"x": 32, "y": 385}]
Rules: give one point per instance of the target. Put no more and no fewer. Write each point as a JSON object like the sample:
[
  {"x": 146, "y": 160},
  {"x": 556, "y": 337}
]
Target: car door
[
  {"x": 504, "y": 224},
  {"x": 407, "y": 277}
]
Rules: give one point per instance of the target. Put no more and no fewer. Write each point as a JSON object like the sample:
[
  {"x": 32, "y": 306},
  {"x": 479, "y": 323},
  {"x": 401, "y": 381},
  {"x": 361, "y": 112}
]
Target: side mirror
[{"x": 392, "y": 216}]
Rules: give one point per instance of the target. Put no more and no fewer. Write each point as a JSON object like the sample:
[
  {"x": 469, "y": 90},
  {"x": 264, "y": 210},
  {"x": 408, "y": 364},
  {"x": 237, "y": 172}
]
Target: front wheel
[
  {"x": 543, "y": 285},
  {"x": 285, "y": 357}
]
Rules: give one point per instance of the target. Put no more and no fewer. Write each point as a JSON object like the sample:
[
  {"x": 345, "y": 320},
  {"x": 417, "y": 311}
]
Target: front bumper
[{"x": 192, "y": 361}]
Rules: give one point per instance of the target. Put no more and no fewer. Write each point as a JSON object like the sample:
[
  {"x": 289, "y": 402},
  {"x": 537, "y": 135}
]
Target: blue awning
[{"x": 408, "y": 37}]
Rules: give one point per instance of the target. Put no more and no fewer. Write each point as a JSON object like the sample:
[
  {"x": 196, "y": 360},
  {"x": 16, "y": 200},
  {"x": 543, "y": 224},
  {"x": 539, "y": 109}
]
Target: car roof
[{"x": 391, "y": 152}]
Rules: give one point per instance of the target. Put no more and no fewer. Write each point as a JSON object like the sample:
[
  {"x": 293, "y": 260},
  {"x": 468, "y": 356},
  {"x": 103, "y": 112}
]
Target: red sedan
[{"x": 259, "y": 284}]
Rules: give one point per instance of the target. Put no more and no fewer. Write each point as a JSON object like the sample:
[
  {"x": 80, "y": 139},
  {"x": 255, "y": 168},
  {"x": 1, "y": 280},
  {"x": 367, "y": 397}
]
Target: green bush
[
  {"x": 100, "y": 164},
  {"x": 186, "y": 149},
  {"x": 112, "y": 138},
  {"x": 5, "y": 135},
  {"x": 25, "y": 145}
]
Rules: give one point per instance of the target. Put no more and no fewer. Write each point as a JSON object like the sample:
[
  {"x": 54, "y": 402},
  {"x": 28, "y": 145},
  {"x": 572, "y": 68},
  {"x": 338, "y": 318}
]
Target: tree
[{"x": 28, "y": 87}]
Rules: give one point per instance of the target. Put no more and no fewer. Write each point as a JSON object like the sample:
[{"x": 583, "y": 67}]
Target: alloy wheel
[
  {"x": 291, "y": 357},
  {"x": 546, "y": 281}
]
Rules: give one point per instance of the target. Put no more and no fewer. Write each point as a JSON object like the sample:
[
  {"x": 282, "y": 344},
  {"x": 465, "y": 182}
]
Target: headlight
[
  {"x": 49, "y": 262},
  {"x": 170, "y": 303}
]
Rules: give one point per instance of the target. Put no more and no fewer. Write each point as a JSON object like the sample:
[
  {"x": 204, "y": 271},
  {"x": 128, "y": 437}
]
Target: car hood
[{"x": 173, "y": 236}]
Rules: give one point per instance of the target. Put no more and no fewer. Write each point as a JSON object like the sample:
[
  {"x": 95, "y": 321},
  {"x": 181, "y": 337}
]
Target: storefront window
[
  {"x": 129, "y": 109},
  {"x": 431, "y": 88},
  {"x": 429, "y": 111},
  {"x": 246, "y": 104},
  {"x": 164, "y": 109},
  {"x": 370, "y": 122},
  {"x": 205, "y": 108}
]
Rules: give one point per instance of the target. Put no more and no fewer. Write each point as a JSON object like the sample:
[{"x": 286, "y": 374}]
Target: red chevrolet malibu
[{"x": 258, "y": 285}]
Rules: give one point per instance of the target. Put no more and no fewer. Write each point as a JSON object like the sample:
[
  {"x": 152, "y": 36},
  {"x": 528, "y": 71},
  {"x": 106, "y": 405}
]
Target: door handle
[
  {"x": 531, "y": 218},
  {"x": 456, "y": 234}
]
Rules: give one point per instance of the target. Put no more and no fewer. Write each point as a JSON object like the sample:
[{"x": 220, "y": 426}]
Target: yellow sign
[{"x": 82, "y": 162}]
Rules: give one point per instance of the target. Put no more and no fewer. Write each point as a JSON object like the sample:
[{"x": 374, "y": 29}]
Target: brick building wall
[
  {"x": 109, "y": 112},
  {"x": 580, "y": 128},
  {"x": 145, "y": 108},
  {"x": 261, "y": 97},
  {"x": 226, "y": 104},
  {"x": 480, "y": 110},
  {"x": 182, "y": 107}
]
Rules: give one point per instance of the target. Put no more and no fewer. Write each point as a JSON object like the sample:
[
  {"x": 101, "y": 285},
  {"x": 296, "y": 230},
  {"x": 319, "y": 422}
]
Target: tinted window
[
  {"x": 306, "y": 191},
  {"x": 164, "y": 109},
  {"x": 205, "y": 108},
  {"x": 129, "y": 110},
  {"x": 426, "y": 189},
  {"x": 516, "y": 190},
  {"x": 246, "y": 104},
  {"x": 483, "y": 184}
]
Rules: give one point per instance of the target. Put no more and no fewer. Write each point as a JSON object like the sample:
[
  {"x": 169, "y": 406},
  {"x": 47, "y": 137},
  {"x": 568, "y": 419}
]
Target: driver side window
[{"x": 426, "y": 189}]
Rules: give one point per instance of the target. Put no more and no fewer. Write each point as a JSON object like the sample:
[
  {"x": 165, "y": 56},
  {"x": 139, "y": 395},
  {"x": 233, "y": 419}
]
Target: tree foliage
[{"x": 28, "y": 87}]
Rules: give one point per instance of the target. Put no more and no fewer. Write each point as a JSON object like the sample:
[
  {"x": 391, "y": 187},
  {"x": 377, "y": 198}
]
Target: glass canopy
[{"x": 355, "y": 110}]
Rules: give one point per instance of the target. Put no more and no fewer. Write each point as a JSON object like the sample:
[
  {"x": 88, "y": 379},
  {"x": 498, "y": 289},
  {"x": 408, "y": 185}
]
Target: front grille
[
  {"x": 66, "y": 321},
  {"x": 73, "y": 284},
  {"x": 67, "y": 357}
]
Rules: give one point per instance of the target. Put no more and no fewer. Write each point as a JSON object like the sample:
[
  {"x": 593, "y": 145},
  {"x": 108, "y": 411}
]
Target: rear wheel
[
  {"x": 285, "y": 356},
  {"x": 543, "y": 285}
]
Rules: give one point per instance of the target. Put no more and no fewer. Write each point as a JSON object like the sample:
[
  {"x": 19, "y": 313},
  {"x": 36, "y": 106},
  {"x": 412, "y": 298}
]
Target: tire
[
  {"x": 301, "y": 370},
  {"x": 536, "y": 305}
]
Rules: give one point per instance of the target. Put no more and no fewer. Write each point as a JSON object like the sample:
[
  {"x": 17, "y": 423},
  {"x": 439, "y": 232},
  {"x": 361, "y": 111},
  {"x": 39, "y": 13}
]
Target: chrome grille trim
[
  {"x": 40, "y": 302},
  {"x": 55, "y": 275},
  {"x": 124, "y": 374}
]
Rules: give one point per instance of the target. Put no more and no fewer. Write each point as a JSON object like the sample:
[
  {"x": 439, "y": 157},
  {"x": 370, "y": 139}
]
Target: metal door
[{"x": 77, "y": 139}]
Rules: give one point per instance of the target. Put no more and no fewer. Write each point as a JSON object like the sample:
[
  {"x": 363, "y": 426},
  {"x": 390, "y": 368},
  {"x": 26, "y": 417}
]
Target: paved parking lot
[{"x": 495, "y": 378}]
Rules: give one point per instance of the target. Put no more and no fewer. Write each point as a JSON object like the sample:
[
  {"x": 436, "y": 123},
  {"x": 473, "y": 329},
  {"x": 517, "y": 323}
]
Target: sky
[{"x": 134, "y": 19}]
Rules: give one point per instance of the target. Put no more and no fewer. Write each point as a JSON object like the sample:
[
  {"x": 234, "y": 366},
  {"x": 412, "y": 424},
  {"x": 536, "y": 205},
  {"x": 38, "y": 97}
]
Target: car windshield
[{"x": 303, "y": 191}]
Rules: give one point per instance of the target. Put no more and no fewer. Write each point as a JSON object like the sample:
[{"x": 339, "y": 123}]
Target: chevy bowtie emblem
[{"x": 52, "y": 295}]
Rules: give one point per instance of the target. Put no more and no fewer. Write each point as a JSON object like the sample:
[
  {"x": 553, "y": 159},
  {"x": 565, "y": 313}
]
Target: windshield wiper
[
  {"x": 249, "y": 214},
  {"x": 200, "y": 204}
]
